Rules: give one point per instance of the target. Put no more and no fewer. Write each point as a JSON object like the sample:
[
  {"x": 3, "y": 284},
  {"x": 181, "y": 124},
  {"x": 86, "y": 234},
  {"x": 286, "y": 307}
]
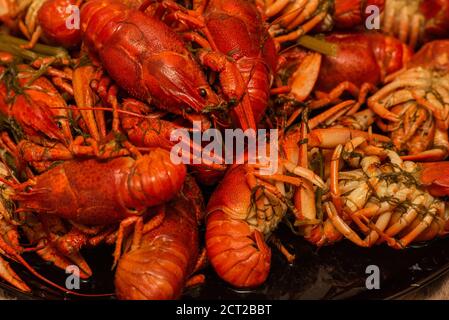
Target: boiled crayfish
[
  {"x": 386, "y": 198},
  {"x": 415, "y": 104},
  {"x": 243, "y": 211},
  {"x": 155, "y": 63},
  {"x": 93, "y": 192},
  {"x": 361, "y": 62},
  {"x": 159, "y": 263}
]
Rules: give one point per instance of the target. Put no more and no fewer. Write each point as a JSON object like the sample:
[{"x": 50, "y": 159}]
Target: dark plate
[{"x": 335, "y": 272}]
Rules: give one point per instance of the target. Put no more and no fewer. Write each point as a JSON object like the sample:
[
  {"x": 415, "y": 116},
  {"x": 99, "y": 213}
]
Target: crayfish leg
[
  {"x": 196, "y": 280},
  {"x": 122, "y": 232},
  {"x": 139, "y": 230},
  {"x": 282, "y": 249},
  {"x": 342, "y": 226},
  {"x": 34, "y": 39}
]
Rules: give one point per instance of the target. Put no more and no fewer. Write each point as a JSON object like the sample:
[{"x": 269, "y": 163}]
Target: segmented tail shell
[
  {"x": 238, "y": 254},
  {"x": 160, "y": 267},
  {"x": 236, "y": 250}
]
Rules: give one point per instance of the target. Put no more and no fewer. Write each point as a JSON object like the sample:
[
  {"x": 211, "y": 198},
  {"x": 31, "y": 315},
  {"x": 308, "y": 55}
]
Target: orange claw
[
  {"x": 233, "y": 85},
  {"x": 84, "y": 97},
  {"x": 50, "y": 254},
  {"x": 8, "y": 274},
  {"x": 304, "y": 78}
]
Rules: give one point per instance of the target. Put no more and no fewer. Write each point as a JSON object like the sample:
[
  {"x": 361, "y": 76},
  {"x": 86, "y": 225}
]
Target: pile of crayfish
[{"x": 92, "y": 93}]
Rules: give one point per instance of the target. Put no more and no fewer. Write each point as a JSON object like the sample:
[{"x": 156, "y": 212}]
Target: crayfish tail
[
  {"x": 238, "y": 254},
  {"x": 154, "y": 272},
  {"x": 160, "y": 267}
]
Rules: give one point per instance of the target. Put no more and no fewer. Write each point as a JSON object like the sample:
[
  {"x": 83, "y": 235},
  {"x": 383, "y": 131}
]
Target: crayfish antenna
[{"x": 435, "y": 177}]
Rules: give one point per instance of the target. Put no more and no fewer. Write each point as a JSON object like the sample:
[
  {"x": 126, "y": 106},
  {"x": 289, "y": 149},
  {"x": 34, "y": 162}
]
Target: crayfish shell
[{"x": 161, "y": 266}]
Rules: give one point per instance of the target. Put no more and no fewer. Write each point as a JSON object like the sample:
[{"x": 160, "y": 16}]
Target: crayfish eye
[{"x": 202, "y": 92}]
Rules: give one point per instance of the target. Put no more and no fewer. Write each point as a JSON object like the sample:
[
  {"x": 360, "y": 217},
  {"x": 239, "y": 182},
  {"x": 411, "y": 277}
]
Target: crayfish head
[
  {"x": 181, "y": 84},
  {"x": 435, "y": 177}
]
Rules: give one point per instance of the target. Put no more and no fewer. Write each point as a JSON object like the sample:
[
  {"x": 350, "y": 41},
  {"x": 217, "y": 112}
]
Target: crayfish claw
[{"x": 8, "y": 274}]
